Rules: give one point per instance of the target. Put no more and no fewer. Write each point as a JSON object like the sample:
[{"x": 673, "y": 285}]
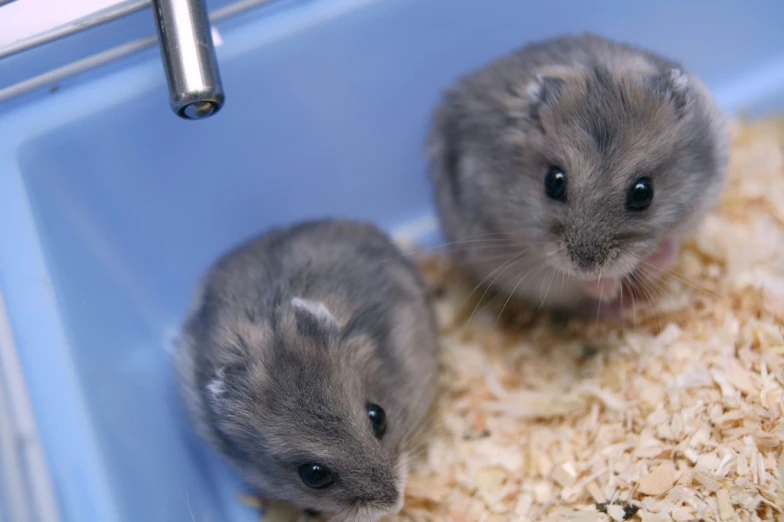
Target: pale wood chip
[
  {"x": 490, "y": 481},
  {"x": 523, "y": 504},
  {"x": 596, "y": 493},
  {"x": 682, "y": 514},
  {"x": 658, "y": 481},
  {"x": 781, "y": 472},
  {"x": 709, "y": 483},
  {"x": 427, "y": 489},
  {"x": 543, "y": 492},
  {"x": 649, "y": 516},
  {"x": 565, "y": 475},
  {"x": 616, "y": 512},
  {"x": 581, "y": 516},
  {"x": 726, "y": 512},
  {"x": 739, "y": 377}
]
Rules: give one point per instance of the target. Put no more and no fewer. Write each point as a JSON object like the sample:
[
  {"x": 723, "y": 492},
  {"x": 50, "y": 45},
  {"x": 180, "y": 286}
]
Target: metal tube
[
  {"x": 50, "y": 78},
  {"x": 195, "y": 89}
]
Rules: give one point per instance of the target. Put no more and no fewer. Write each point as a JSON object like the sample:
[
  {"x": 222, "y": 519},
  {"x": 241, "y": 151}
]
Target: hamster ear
[
  {"x": 673, "y": 85},
  {"x": 542, "y": 91},
  {"x": 314, "y": 319}
]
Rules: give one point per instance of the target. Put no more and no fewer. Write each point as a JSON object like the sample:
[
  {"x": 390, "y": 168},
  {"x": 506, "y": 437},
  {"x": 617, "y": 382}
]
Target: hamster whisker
[
  {"x": 524, "y": 276},
  {"x": 627, "y": 283},
  {"x": 494, "y": 243},
  {"x": 653, "y": 282},
  {"x": 343, "y": 514},
  {"x": 416, "y": 430},
  {"x": 500, "y": 245},
  {"x": 477, "y": 236},
  {"x": 417, "y": 438},
  {"x": 473, "y": 240},
  {"x": 623, "y": 279},
  {"x": 368, "y": 514},
  {"x": 649, "y": 279},
  {"x": 657, "y": 292},
  {"x": 503, "y": 268},
  {"x": 188, "y": 501},
  {"x": 645, "y": 264},
  {"x": 563, "y": 280},
  {"x": 496, "y": 257},
  {"x": 601, "y": 299},
  {"x": 685, "y": 280},
  {"x": 549, "y": 285},
  {"x": 410, "y": 458},
  {"x": 419, "y": 435},
  {"x": 641, "y": 284},
  {"x": 421, "y": 439}
]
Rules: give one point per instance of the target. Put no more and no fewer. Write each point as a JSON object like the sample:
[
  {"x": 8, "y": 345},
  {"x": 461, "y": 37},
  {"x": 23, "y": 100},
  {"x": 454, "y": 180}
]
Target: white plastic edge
[{"x": 29, "y": 492}]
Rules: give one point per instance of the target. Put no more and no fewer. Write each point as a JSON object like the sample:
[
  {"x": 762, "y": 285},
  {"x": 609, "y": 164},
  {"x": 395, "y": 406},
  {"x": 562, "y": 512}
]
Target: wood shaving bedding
[{"x": 675, "y": 415}]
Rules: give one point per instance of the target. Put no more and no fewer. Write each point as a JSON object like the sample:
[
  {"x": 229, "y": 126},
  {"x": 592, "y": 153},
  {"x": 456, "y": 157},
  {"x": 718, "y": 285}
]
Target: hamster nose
[
  {"x": 586, "y": 255},
  {"x": 381, "y": 492},
  {"x": 390, "y": 494}
]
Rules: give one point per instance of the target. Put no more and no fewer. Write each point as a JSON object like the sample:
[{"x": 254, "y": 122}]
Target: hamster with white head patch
[
  {"x": 309, "y": 360},
  {"x": 571, "y": 170}
]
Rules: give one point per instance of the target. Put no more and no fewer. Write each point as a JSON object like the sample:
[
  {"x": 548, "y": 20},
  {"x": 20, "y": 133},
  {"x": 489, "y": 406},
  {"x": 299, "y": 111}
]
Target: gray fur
[
  {"x": 289, "y": 337},
  {"x": 606, "y": 113}
]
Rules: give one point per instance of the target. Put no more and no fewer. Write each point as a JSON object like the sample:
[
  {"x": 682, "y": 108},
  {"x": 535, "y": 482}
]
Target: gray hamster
[
  {"x": 573, "y": 168},
  {"x": 309, "y": 360}
]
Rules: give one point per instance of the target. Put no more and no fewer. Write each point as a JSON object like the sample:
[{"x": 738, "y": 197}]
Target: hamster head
[
  {"x": 305, "y": 419},
  {"x": 603, "y": 168}
]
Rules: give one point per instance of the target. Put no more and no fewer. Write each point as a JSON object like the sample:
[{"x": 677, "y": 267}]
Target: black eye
[
  {"x": 555, "y": 184},
  {"x": 640, "y": 195},
  {"x": 378, "y": 419},
  {"x": 316, "y": 476}
]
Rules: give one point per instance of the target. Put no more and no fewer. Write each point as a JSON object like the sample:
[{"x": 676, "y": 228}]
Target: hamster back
[
  {"x": 574, "y": 167},
  {"x": 309, "y": 360}
]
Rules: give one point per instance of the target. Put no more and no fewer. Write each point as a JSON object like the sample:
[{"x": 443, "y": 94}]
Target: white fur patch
[
  {"x": 534, "y": 90},
  {"x": 217, "y": 386},
  {"x": 679, "y": 80},
  {"x": 317, "y": 309}
]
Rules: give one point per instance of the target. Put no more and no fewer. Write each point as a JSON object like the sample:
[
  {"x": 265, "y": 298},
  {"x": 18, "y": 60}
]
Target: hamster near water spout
[
  {"x": 571, "y": 170},
  {"x": 309, "y": 361}
]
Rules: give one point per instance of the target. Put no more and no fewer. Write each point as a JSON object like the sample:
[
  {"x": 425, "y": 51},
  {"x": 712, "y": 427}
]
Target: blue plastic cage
[{"x": 111, "y": 207}]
